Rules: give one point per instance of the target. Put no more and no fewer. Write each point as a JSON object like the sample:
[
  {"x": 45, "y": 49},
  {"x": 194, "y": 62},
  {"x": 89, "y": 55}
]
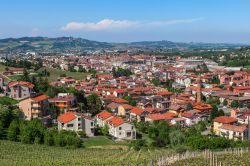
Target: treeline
[
  {"x": 24, "y": 64},
  {"x": 162, "y": 134},
  {"x": 33, "y": 132}
]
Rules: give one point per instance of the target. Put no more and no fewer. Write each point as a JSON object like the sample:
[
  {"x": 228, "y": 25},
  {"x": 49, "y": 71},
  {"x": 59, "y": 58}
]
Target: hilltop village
[{"x": 119, "y": 95}]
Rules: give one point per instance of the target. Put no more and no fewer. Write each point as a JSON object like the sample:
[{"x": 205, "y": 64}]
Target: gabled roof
[
  {"x": 225, "y": 119},
  {"x": 21, "y": 83},
  {"x": 67, "y": 117},
  {"x": 104, "y": 115},
  {"x": 137, "y": 111},
  {"x": 116, "y": 121}
]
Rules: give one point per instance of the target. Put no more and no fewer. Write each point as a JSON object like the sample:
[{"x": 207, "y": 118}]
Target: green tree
[
  {"x": 94, "y": 104},
  {"x": 49, "y": 137},
  {"x": 32, "y": 132},
  {"x": 234, "y": 104},
  {"x": 105, "y": 130},
  {"x": 248, "y": 105},
  {"x": 225, "y": 103},
  {"x": 13, "y": 131},
  {"x": 214, "y": 112},
  {"x": 25, "y": 76},
  {"x": 130, "y": 100},
  {"x": 2, "y": 130}
]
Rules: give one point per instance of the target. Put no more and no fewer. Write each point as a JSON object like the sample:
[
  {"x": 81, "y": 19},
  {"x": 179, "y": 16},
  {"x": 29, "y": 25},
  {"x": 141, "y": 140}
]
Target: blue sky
[{"x": 128, "y": 20}]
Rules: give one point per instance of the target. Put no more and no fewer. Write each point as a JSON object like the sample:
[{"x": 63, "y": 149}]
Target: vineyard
[{"x": 12, "y": 153}]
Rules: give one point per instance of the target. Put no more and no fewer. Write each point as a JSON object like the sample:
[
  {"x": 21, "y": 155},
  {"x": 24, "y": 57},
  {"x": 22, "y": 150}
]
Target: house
[
  {"x": 123, "y": 109},
  {"x": 63, "y": 102},
  {"x": 121, "y": 129},
  {"x": 102, "y": 118},
  {"x": 113, "y": 107},
  {"x": 179, "y": 121},
  {"x": 168, "y": 116},
  {"x": 137, "y": 114},
  {"x": 221, "y": 120},
  {"x": 203, "y": 110},
  {"x": 76, "y": 122},
  {"x": 20, "y": 90},
  {"x": 189, "y": 118},
  {"x": 34, "y": 107},
  {"x": 234, "y": 132}
]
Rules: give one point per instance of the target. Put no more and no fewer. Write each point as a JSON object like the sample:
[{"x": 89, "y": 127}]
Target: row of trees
[
  {"x": 164, "y": 135},
  {"x": 23, "y": 64}
]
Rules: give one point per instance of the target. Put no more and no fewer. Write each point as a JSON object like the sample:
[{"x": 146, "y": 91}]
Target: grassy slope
[
  {"x": 12, "y": 153},
  {"x": 55, "y": 73}
]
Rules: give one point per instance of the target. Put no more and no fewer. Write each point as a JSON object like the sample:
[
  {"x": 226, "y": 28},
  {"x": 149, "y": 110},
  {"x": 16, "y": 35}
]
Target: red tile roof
[
  {"x": 225, "y": 119},
  {"x": 104, "y": 115},
  {"x": 116, "y": 121},
  {"x": 40, "y": 98},
  {"x": 163, "y": 93},
  {"x": 234, "y": 128},
  {"x": 137, "y": 111},
  {"x": 119, "y": 100},
  {"x": 67, "y": 117},
  {"x": 187, "y": 114},
  {"x": 22, "y": 83},
  {"x": 166, "y": 116}
]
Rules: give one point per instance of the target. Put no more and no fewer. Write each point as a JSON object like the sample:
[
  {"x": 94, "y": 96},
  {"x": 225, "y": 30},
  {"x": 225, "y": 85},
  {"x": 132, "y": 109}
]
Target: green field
[
  {"x": 2, "y": 68},
  {"x": 13, "y": 153},
  {"x": 55, "y": 73}
]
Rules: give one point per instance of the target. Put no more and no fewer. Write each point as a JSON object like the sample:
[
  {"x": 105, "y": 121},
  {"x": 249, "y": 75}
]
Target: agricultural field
[
  {"x": 228, "y": 159},
  {"x": 55, "y": 73},
  {"x": 14, "y": 153}
]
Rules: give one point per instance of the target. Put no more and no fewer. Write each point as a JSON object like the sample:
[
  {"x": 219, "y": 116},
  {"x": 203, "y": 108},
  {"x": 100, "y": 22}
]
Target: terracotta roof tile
[{"x": 225, "y": 119}]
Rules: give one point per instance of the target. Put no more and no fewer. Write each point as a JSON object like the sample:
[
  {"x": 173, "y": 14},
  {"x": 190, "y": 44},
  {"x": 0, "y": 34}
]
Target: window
[
  {"x": 70, "y": 125},
  {"x": 120, "y": 133},
  {"x": 120, "y": 128},
  {"x": 128, "y": 134},
  {"x": 92, "y": 123},
  {"x": 132, "y": 127}
]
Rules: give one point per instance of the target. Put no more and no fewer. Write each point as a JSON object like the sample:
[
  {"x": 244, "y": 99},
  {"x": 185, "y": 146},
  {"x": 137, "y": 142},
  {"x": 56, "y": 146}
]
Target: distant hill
[
  {"x": 78, "y": 45},
  {"x": 44, "y": 44}
]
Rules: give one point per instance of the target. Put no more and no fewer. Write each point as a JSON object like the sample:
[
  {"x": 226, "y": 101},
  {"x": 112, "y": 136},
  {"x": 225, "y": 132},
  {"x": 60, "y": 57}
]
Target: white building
[
  {"x": 76, "y": 122},
  {"x": 120, "y": 129}
]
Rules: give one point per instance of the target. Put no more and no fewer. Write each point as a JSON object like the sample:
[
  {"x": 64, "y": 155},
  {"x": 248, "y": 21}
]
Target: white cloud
[
  {"x": 101, "y": 25},
  {"x": 109, "y": 24}
]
